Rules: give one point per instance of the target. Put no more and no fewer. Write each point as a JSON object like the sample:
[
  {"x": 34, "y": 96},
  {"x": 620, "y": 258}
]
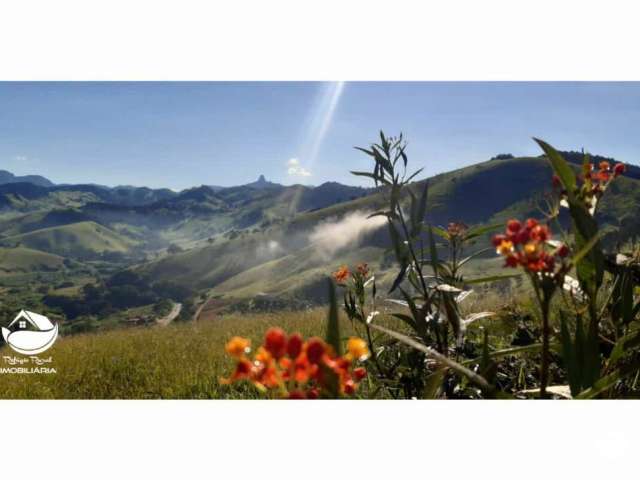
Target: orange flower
[
  {"x": 505, "y": 247},
  {"x": 526, "y": 246},
  {"x": 342, "y": 274},
  {"x": 298, "y": 369},
  {"x": 358, "y": 349},
  {"x": 363, "y": 269},
  {"x": 238, "y": 347}
]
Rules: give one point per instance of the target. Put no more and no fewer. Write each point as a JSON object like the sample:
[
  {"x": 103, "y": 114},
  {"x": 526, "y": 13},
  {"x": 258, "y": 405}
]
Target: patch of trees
[
  {"x": 503, "y": 156},
  {"x": 173, "y": 249},
  {"x": 123, "y": 290}
]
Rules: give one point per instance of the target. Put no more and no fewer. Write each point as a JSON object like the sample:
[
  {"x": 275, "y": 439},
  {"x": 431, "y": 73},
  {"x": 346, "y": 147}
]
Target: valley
[{"x": 92, "y": 256}]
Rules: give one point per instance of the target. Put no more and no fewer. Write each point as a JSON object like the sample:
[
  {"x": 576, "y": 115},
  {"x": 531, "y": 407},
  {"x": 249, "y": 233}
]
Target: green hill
[
  {"x": 74, "y": 240},
  {"x": 22, "y": 259},
  {"x": 485, "y": 193}
]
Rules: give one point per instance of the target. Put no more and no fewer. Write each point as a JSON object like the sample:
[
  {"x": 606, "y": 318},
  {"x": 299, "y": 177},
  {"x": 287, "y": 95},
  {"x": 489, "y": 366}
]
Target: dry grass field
[{"x": 179, "y": 361}]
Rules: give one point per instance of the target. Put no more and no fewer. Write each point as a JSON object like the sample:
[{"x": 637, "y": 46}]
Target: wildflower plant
[
  {"x": 528, "y": 245},
  {"x": 288, "y": 366},
  {"x": 589, "y": 330},
  {"x": 432, "y": 286},
  {"x": 431, "y": 300}
]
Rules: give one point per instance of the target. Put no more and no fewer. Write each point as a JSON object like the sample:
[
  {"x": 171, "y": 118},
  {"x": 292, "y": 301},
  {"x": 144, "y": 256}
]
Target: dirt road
[{"x": 167, "y": 319}]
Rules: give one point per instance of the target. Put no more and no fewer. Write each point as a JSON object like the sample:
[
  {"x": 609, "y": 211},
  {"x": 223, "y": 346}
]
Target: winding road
[{"x": 170, "y": 317}]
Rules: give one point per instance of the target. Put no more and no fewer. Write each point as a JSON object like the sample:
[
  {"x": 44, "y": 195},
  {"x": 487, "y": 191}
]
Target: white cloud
[
  {"x": 333, "y": 235},
  {"x": 294, "y": 169}
]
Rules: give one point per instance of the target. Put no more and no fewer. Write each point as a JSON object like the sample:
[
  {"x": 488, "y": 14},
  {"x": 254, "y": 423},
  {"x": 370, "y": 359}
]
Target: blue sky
[{"x": 179, "y": 135}]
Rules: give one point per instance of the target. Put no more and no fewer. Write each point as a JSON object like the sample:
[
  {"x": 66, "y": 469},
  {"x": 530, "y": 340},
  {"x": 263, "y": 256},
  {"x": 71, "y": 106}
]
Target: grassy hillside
[
  {"x": 26, "y": 260},
  {"x": 72, "y": 239},
  {"x": 178, "y": 361},
  {"x": 486, "y": 193}
]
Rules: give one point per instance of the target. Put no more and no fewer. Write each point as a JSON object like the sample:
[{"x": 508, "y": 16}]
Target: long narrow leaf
[{"x": 453, "y": 365}]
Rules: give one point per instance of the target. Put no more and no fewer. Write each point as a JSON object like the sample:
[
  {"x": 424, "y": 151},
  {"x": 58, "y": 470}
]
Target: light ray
[{"x": 320, "y": 125}]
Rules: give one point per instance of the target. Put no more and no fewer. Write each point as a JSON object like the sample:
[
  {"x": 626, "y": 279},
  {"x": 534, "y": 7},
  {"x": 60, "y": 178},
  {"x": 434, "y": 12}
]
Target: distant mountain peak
[
  {"x": 262, "y": 182},
  {"x": 8, "y": 177}
]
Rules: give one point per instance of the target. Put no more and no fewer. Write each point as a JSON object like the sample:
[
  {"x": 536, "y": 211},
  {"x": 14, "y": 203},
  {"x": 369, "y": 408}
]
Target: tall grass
[{"x": 178, "y": 361}]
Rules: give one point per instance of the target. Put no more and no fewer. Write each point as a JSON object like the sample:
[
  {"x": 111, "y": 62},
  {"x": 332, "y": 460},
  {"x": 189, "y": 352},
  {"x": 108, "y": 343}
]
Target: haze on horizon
[{"x": 184, "y": 134}]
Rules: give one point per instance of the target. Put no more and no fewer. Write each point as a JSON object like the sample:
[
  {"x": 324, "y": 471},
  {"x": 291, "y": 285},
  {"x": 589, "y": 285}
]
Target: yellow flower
[
  {"x": 263, "y": 356},
  {"x": 530, "y": 248},
  {"x": 505, "y": 247},
  {"x": 238, "y": 347},
  {"x": 358, "y": 349}
]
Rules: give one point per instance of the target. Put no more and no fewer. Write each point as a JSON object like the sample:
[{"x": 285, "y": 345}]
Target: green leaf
[
  {"x": 418, "y": 318},
  {"x": 560, "y": 167},
  {"x": 474, "y": 255},
  {"x": 441, "y": 232},
  {"x": 368, "y": 152},
  {"x": 569, "y": 356},
  {"x": 493, "y": 278},
  {"x": 405, "y": 318},
  {"x": 433, "y": 252},
  {"x": 377, "y": 178},
  {"x": 413, "y": 214},
  {"x": 413, "y": 175},
  {"x": 333, "y": 323},
  {"x": 590, "y": 269},
  {"x": 478, "y": 231},
  {"x": 430, "y": 352},
  {"x": 608, "y": 381},
  {"x": 433, "y": 383},
  {"x": 584, "y": 251},
  {"x": 422, "y": 203},
  {"x": 534, "y": 347},
  {"x": 396, "y": 241},
  {"x": 399, "y": 278},
  {"x": 381, "y": 213}
]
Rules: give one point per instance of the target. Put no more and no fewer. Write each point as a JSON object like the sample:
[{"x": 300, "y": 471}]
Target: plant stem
[
  {"x": 546, "y": 331},
  {"x": 544, "y": 301}
]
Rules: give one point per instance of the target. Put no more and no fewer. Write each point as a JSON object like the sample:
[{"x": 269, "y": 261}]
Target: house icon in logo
[{"x": 30, "y": 333}]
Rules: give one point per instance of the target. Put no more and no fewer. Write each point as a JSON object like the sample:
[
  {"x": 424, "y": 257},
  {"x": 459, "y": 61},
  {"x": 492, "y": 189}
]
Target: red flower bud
[
  {"x": 530, "y": 223},
  {"x": 349, "y": 387},
  {"x": 513, "y": 226},
  {"x": 313, "y": 393},
  {"x": 294, "y": 346},
  {"x": 511, "y": 261},
  {"x": 563, "y": 250},
  {"x": 619, "y": 169},
  {"x": 521, "y": 237},
  {"x": 359, "y": 373},
  {"x": 296, "y": 395},
  {"x": 498, "y": 239},
  {"x": 315, "y": 350},
  {"x": 275, "y": 342}
]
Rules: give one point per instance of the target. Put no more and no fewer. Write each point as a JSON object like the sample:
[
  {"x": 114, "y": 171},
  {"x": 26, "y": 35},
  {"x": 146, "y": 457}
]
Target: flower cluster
[
  {"x": 296, "y": 368},
  {"x": 594, "y": 183},
  {"x": 457, "y": 229},
  {"x": 343, "y": 273},
  {"x": 528, "y": 245}
]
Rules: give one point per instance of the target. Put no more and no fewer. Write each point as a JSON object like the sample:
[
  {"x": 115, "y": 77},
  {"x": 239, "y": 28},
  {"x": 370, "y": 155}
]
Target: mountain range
[{"x": 260, "y": 240}]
